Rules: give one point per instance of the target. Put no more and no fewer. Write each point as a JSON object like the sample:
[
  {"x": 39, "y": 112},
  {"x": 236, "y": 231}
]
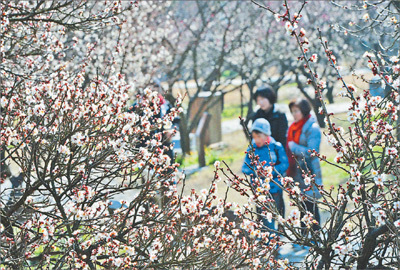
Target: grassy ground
[{"x": 233, "y": 111}]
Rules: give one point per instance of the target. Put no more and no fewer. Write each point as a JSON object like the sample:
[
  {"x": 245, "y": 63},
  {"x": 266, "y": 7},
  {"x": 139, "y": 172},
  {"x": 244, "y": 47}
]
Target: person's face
[
  {"x": 297, "y": 114},
  {"x": 264, "y": 103},
  {"x": 259, "y": 138}
]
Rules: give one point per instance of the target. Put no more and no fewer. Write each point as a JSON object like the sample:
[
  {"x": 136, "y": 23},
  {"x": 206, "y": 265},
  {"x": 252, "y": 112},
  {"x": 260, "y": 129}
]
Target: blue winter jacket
[
  {"x": 310, "y": 139},
  {"x": 274, "y": 153}
]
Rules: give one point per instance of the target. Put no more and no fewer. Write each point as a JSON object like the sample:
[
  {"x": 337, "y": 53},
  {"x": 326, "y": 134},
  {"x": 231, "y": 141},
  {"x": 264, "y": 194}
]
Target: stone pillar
[{"x": 214, "y": 102}]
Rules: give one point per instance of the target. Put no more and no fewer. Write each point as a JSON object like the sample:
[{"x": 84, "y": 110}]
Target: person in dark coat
[{"x": 265, "y": 97}]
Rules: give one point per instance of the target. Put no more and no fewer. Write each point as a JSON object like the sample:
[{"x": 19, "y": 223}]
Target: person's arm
[
  {"x": 251, "y": 118},
  {"x": 313, "y": 142}
]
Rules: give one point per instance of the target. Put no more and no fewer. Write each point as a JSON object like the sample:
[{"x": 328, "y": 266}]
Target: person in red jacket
[{"x": 304, "y": 136}]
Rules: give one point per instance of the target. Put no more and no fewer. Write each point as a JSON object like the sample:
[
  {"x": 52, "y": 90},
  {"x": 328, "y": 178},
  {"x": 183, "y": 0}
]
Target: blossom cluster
[{"x": 99, "y": 186}]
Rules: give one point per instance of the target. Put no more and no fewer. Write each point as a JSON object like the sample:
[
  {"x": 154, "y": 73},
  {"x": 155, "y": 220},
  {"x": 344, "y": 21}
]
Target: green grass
[
  {"x": 229, "y": 74},
  {"x": 331, "y": 175},
  {"x": 188, "y": 160},
  {"x": 211, "y": 156},
  {"x": 233, "y": 111}
]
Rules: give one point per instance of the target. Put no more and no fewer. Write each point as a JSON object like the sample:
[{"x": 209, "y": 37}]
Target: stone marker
[{"x": 214, "y": 101}]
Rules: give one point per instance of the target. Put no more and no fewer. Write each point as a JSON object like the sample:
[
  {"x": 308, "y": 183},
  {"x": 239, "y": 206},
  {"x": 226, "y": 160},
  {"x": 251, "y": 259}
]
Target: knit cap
[{"x": 261, "y": 125}]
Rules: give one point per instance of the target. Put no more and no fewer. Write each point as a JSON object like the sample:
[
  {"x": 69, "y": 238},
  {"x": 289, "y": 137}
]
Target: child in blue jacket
[{"x": 273, "y": 153}]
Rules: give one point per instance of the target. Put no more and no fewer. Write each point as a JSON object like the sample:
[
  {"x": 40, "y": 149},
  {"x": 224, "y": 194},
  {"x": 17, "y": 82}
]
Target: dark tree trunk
[
  {"x": 250, "y": 110},
  {"x": 251, "y": 86},
  {"x": 329, "y": 93},
  {"x": 369, "y": 246},
  {"x": 184, "y": 133},
  {"x": 320, "y": 117}
]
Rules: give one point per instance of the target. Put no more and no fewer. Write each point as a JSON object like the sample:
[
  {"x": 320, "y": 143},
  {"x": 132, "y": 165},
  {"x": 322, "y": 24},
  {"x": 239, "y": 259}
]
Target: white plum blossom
[
  {"x": 380, "y": 180},
  {"x": 374, "y": 173},
  {"x": 262, "y": 198},
  {"x": 247, "y": 225},
  {"x": 269, "y": 217},
  {"x": 235, "y": 232},
  {"x": 3, "y": 101},
  {"x": 217, "y": 164},
  {"x": 396, "y": 205},
  {"x": 40, "y": 109},
  {"x": 153, "y": 255},
  {"x": 343, "y": 249},
  {"x": 295, "y": 214},
  {"x": 294, "y": 217},
  {"x": 375, "y": 100},
  {"x": 368, "y": 54},
  {"x": 397, "y": 223},
  {"x": 290, "y": 27},
  {"x": 254, "y": 233},
  {"x": 338, "y": 157},
  {"x": 391, "y": 151},
  {"x": 297, "y": 190},
  {"x": 396, "y": 83},
  {"x": 314, "y": 58},
  {"x": 331, "y": 140},
  {"x": 63, "y": 149},
  {"x": 78, "y": 139},
  {"x": 307, "y": 181},
  {"x": 352, "y": 116},
  {"x": 394, "y": 59},
  {"x": 380, "y": 216}
]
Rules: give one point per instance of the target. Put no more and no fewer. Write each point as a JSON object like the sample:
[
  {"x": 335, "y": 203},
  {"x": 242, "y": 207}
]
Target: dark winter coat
[{"x": 278, "y": 122}]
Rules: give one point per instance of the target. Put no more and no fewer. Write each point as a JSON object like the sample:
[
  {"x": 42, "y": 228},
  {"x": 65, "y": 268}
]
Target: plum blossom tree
[
  {"x": 380, "y": 18},
  {"x": 259, "y": 57},
  {"x": 362, "y": 230},
  {"x": 321, "y": 21},
  {"x": 205, "y": 35},
  {"x": 65, "y": 124},
  {"x": 132, "y": 43},
  {"x": 80, "y": 150}
]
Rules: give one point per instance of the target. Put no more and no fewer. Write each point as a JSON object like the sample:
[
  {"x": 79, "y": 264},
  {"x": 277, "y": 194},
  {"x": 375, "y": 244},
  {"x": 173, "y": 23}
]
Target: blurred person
[
  {"x": 304, "y": 135},
  {"x": 165, "y": 108},
  {"x": 265, "y": 97}
]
